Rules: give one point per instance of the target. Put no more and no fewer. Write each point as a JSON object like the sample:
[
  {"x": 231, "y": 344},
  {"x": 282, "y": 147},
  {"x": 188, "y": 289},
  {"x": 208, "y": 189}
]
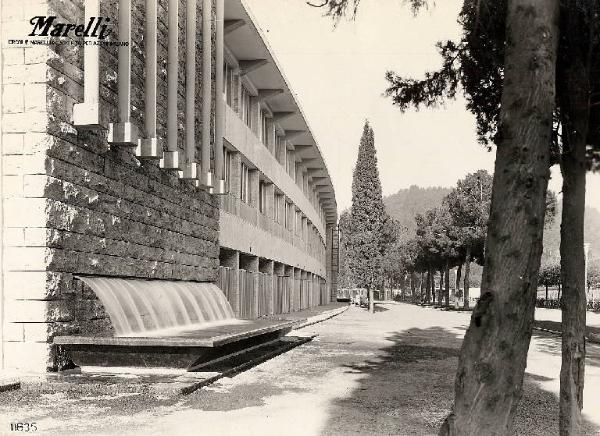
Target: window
[
  {"x": 264, "y": 127},
  {"x": 277, "y": 208},
  {"x": 298, "y": 223},
  {"x": 228, "y": 83},
  {"x": 280, "y": 149},
  {"x": 262, "y": 197},
  {"x": 286, "y": 216},
  {"x": 227, "y": 168},
  {"x": 245, "y": 106},
  {"x": 244, "y": 184}
]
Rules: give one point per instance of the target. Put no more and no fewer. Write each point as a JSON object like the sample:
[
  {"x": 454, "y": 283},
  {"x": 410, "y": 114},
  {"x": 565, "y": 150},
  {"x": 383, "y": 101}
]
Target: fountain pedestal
[{"x": 185, "y": 350}]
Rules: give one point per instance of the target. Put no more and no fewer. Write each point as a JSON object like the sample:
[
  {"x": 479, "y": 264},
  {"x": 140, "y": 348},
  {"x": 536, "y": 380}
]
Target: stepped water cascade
[{"x": 160, "y": 307}]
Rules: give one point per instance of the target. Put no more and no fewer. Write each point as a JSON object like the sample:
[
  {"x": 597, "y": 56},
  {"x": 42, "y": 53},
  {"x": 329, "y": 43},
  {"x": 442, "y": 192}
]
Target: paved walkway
[
  {"x": 391, "y": 372},
  {"x": 592, "y": 318}
]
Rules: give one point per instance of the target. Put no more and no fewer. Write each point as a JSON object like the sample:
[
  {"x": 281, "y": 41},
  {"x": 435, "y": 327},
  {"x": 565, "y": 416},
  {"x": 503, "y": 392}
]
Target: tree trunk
[
  {"x": 546, "y": 293},
  {"x": 413, "y": 289},
  {"x": 428, "y": 287},
  {"x": 371, "y": 302},
  {"x": 433, "y": 286},
  {"x": 574, "y": 297},
  {"x": 574, "y": 102},
  {"x": 493, "y": 356},
  {"x": 467, "y": 283},
  {"x": 432, "y": 278},
  {"x": 559, "y": 293},
  {"x": 458, "y": 278},
  {"x": 441, "y": 289},
  {"x": 447, "y": 283}
]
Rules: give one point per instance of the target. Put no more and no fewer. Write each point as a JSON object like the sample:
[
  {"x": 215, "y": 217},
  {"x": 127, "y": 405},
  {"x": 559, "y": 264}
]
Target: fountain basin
[
  {"x": 216, "y": 336},
  {"x": 159, "y": 323},
  {"x": 186, "y": 351}
]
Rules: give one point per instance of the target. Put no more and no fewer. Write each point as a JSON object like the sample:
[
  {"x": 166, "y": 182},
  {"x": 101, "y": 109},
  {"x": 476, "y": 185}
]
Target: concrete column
[
  {"x": 253, "y": 176},
  {"x": 271, "y": 136},
  {"x": 298, "y": 173},
  {"x": 206, "y": 175},
  {"x": 171, "y": 160},
  {"x": 291, "y": 154},
  {"x": 236, "y": 168},
  {"x": 284, "y": 154},
  {"x": 297, "y": 278},
  {"x": 250, "y": 263},
  {"x": 255, "y": 115},
  {"x": 305, "y": 230},
  {"x": 237, "y": 91},
  {"x": 219, "y": 183},
  {"x": 231, "y": 259},
  {"x": 149, "y": 147},
  {"x": 267, "y": 266},
  {"x": 124, "y": 132},
  {"x": 190, "y": 169},
  {"x": 87, "y": 114}
]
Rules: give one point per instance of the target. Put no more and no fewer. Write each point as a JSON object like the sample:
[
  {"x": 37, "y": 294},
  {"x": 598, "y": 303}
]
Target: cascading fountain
[{"x": 149, "y": 308}]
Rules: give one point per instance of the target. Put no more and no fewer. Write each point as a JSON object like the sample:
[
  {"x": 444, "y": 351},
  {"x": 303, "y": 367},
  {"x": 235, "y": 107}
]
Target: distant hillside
[{"x": 406, "y": 203}]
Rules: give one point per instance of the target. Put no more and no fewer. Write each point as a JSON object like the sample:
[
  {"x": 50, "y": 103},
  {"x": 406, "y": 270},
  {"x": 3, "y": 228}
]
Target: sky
[{"x": 338, "y": 74}]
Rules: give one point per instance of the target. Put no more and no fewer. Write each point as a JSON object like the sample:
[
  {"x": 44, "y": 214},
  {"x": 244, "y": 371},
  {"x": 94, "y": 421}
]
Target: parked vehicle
[{"x": 343, "y": 295}]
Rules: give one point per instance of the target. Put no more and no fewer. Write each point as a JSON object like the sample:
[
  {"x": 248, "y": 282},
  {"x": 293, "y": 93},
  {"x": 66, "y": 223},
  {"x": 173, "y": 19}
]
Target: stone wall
[{"x": 71, "y": 204}]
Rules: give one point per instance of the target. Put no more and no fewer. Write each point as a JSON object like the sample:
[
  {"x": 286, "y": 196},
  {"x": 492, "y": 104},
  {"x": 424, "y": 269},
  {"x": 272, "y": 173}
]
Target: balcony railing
[{"x": 235, "y": 206}]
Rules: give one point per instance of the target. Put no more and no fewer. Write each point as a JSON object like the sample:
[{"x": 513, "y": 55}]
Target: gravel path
[{"x": 387, "y": 373}]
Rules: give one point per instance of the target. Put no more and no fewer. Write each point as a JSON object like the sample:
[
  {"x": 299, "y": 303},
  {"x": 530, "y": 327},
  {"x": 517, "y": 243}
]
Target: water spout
[{"x": 160, "y": 307}]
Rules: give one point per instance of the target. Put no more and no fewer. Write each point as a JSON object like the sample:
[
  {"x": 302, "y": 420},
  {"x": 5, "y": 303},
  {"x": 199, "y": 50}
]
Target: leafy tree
[
  {"x": 438, "y": 242},
  {"x": 344, "y": 274},
  {"x": 549, "y": 274},
  {"x": 367, "y": 218},
  {"x": 393, "y": 270},
  {"x": 469, "y": 206}
]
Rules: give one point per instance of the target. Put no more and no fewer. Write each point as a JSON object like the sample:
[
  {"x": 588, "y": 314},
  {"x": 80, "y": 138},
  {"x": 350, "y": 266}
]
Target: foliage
[
  {"x": 551, "y": 208},
  {"x": 342, "y": 8},
  {"x": 344, "y": 274},
  {"x": 549, "y": 274},
  {"x": 469, "y": 207},
  {"x": 366, "y": 242},
  {"x": 437, "y": 238}
]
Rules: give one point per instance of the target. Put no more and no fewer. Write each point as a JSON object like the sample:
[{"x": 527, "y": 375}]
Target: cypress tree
[{"x": 367, "y": 218}]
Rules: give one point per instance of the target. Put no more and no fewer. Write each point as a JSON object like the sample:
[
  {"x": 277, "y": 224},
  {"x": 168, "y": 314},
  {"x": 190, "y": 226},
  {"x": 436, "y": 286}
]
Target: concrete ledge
[
  {"x": 209, "y": 338},
  {"x": 321, "y": 317},
  {"x": 9, "y": 385}
]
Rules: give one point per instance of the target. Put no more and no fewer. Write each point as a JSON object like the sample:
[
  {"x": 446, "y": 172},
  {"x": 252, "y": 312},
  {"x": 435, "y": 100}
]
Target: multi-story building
[{"x": 173, "y": 150}]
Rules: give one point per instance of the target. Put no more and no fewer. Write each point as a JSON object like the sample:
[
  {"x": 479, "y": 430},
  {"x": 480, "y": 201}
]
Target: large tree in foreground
[
  {"x": 367, "y": 218},
  {"x": 493, "y": 357}
]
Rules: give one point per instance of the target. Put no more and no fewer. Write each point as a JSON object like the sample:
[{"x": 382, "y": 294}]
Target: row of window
[{"x": 266, "y": 133}]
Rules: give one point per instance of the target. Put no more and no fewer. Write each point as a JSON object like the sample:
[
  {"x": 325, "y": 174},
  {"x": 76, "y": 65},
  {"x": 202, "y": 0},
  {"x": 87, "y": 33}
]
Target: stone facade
[{"x": 73, "y": 205}]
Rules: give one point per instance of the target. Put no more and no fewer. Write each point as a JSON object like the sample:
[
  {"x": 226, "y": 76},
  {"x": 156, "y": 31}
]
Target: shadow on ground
[
  {"x": 409, "y": 391},
  {"x": 551, "y": 343}
]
